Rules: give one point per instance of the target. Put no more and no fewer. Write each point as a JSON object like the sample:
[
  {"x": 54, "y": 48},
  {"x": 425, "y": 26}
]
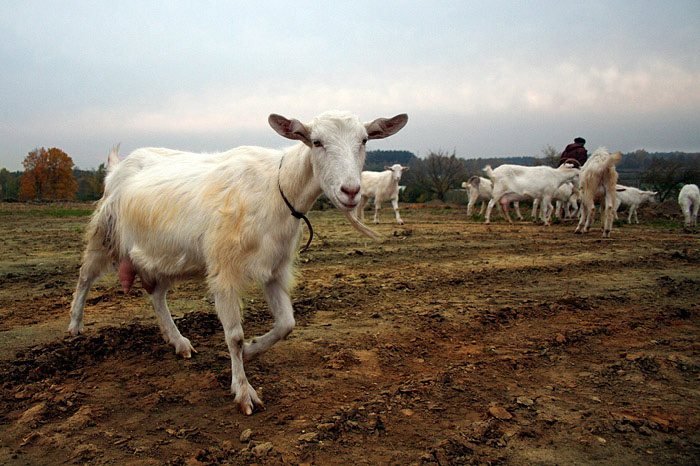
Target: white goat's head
[
  {"x": 396, "y": 171},
  {"x": 650, "y": 196},
  {"x": 337, "y": 143}
]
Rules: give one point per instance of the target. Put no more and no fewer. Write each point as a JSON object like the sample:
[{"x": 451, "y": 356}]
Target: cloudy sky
[{"x": 483, "y": 78}]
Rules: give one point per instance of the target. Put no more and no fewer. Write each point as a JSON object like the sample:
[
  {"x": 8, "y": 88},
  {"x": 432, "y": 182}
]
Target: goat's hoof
[
  {"x": 184, "y": 348},
  {"x": 75, "y": 330},
  {"x": 248, "y": 400}
]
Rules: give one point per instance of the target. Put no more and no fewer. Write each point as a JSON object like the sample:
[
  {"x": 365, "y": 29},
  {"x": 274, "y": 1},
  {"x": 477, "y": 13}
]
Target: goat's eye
[
  {"x": 317, "y": 143},
  {"x": 364, "y": 140}
]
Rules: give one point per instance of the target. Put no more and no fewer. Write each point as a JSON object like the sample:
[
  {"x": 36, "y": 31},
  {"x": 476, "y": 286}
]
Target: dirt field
[{"x": 451, "y": 342}]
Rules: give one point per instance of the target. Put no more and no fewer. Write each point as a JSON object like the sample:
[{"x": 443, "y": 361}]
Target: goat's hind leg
[
  {"x": 584, "y": 212},
  {"x": 95, "y": 263},
  {"x": 168, "y": 329},
  {"x": 504, "y": 206}
]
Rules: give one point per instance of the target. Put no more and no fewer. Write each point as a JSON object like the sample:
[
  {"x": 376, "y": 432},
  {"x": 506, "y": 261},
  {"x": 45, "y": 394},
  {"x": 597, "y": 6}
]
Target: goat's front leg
[
  {"x": 545, "y": 209},
  {"x": 395, "y": 205},
  {"x": 229, "y": 313},
  {"x": 470, "y": 205},
  {"x": 281, "y": 308},
  {"x": 535, "y": 204},
  {"x": 377, "y": 206}
]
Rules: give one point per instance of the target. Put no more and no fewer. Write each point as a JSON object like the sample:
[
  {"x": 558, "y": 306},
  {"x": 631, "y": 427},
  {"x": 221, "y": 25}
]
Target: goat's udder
[{"x": 127, "y": 273}]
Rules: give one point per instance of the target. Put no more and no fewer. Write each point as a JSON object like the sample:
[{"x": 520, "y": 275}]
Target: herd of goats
[
  {"x": 547, "y": 187},
  {"x": 234, "y": 218}
]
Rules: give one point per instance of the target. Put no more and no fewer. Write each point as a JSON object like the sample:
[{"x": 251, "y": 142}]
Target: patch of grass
[
  {"x": 664, "y": 223},
  {"x": 51, "y": 212}
]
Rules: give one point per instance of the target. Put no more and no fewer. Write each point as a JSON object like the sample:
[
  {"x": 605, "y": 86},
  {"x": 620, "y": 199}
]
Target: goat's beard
[{"x": 359, "y": 226}]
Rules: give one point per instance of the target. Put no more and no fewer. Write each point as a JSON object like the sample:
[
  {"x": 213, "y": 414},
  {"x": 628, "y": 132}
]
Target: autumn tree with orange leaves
[{"x": 48, "y": 174}]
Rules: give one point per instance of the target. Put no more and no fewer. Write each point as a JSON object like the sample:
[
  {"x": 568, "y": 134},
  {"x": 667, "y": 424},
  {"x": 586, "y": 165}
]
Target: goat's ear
[
  {"x": 290, "y": 129},
  {"x": 385, "y": 127},
  {"x": 386, "y": 167},
  {"x": 405, "y": 168}
]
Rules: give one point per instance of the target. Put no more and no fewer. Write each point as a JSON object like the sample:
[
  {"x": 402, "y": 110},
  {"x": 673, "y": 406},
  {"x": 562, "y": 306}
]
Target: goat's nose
[{"x": 351, "y": 191}]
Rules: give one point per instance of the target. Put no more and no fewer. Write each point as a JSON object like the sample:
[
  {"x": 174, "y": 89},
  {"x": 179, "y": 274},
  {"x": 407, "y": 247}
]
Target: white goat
[
  {"x": 568, "y": 208},
  {"x": 166, "y": 215},
  {"x": 382, "y": 186},
  {"x": 597, "y": 183},
  {"x": 480, "y": 189},
  {"x": 565, "y": 196},
  {"x": 689, "y": 200},
  {"x": 519, "y": 183},
  {"x": 631, "y": 197}
]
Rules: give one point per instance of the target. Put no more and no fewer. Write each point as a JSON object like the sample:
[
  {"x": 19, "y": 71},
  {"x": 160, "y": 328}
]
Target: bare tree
[
  {"x": 666, "y": 175},
  {"x": 439, "y": 172},
  {"x": 550, "y": 156}
]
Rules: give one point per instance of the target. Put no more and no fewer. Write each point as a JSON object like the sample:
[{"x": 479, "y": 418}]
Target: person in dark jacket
[{"x": 575, "y": 153}]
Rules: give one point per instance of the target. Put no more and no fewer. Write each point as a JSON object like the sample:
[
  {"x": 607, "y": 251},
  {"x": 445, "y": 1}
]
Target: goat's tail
[
  {"x": 615, "y": 158},
  {"x": 488, "y": 171},
  {"x": 113, "y": 158}
]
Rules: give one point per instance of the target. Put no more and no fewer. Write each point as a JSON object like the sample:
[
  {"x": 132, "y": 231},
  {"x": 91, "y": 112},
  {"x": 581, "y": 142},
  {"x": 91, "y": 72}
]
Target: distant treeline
[
  {"x": 89, "y": 184},
  {"x": 662, "y": 171},
  {"x": 637, "y": 161}
]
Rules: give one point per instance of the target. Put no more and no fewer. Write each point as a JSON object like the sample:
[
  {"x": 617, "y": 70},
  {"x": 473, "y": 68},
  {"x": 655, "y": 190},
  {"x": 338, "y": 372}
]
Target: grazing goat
[
  {"x": 631, "y": 197},
  {"x": 597, "y": 183},
  {"x": 519, "y": 183},
  {"x": 382, "y": 186},
  {"x": 689, "y": 200},
  {"x": 166, "y": 215},
  {"x": 480, "y": 189}
]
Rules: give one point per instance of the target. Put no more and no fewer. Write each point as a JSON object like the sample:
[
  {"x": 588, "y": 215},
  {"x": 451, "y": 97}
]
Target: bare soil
[{"x": 451, "y": 342}]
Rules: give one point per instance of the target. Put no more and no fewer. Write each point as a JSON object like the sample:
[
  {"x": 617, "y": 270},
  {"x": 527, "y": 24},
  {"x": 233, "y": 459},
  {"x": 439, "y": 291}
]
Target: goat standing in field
[
  {"x": 382, "y": 186},
  {"x": 566, "y": 197},
  {"x": 480, "y": 189},
  {"x": 631, "y": 197},
  {"x": 167, "y": 215},
  {"x": 689, "y": 200},
  {"x": 519, "y": 183},
  {"x": 597, "y": 183}
]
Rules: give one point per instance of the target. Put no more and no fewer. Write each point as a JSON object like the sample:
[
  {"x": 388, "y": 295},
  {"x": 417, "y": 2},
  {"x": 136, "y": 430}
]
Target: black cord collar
[{"x": 295, "y": 213}]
